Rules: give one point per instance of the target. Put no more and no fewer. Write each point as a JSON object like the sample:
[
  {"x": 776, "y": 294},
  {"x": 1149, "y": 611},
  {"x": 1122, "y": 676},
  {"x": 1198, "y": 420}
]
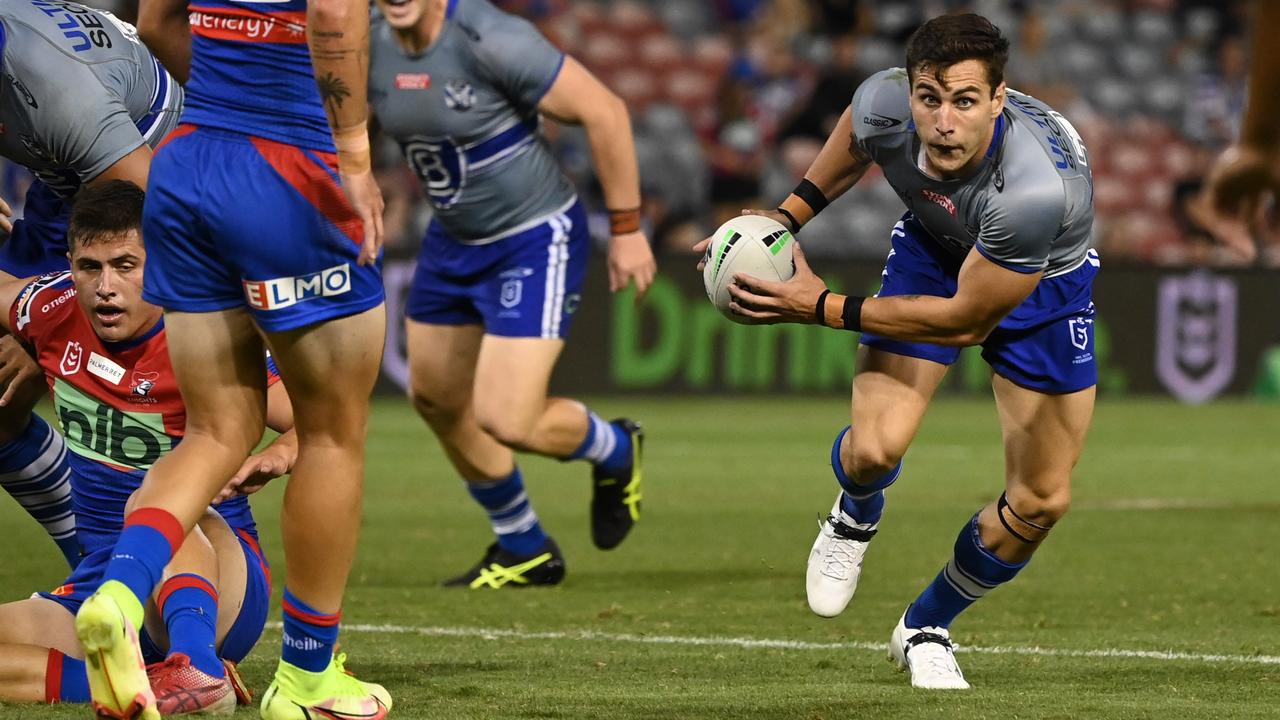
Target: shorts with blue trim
[
  {"x": 236, "y": 221},
  {"x": 1045, "y": 344},
  {"x": 526, "y": 284},
  {"x": 244, "y": 632},
  {"x": 38, "y": 243}
]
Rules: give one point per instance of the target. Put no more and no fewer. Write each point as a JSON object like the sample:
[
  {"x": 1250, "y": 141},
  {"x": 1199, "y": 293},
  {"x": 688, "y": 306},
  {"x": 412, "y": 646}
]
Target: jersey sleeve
[
  {"x": 84, "y": 128},
  {"x": 514, "y": 56},
  {"x": 1017, "y": 229},
  {"x": 881, "y": 108},
  {"x": 39, "y": 304}
]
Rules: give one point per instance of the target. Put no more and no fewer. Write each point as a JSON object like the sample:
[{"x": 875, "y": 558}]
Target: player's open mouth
[
  {"x": 944, "y": 149},
  {"x": 108, "y": 314},
  {"x": 397, "y": 3}
]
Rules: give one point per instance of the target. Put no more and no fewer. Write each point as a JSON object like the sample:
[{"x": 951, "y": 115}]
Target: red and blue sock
[
  {"x": 189, "y": 605},
  {"x": 149, "y": 541},
  {"x": 65, "y": 679},
  {"x": 309, "y": 635}
]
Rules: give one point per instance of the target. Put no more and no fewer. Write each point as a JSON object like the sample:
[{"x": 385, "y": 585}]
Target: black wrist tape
[
  {"x": 852, "y": 314},
  {"x": 811, "y": 195},
  {"x": 820, "y": 311},
  {"x": 795, "y": 224}
]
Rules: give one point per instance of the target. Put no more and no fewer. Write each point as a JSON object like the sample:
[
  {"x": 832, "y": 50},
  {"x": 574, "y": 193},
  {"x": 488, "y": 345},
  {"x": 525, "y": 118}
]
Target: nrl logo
[{"x": 1196, "y": 335}]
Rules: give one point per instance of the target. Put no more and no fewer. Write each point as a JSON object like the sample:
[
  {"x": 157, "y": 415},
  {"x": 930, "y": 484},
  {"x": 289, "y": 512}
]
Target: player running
[
  {"x": 460, "y": 85},
  {"x": 994, "y": 251},
  {"x": 250, "y": 234},
  {"x": 82, "y": 101},
  {"x": 103, "y": 352}
]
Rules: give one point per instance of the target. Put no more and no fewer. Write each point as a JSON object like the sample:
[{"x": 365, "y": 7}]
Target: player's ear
[{"x": 997, "y": 97}]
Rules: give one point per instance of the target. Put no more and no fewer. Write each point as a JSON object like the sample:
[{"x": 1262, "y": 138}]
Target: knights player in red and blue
[
  {"x": 262, "y": 222},
  {"x": 104, "y": 353}
]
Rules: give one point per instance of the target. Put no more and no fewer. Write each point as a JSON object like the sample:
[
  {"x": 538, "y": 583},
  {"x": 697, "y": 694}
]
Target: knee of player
[
  {"x": 508, "y": 430},
  {"x": 438, "y": 407},
  {"x": 1043, "y": 507},
  {"x": 867, "y": 460}
]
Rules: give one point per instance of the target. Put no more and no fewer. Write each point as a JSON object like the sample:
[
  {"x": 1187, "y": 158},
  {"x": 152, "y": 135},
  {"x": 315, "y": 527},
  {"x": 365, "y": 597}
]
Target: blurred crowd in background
[{"x": 732, "y": 99}]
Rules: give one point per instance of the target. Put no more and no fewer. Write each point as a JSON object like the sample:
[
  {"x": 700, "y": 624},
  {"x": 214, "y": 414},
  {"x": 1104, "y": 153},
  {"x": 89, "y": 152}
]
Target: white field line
[{"x": 758, "y": 643}]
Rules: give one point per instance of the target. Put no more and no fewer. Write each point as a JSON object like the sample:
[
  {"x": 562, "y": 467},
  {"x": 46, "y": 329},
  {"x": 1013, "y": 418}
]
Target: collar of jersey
[
  {"x": 2, "y": 39},
  {"x": 448, "y": 11},
  {"x": 131, "y": 343},
  {"x": 996, "y": 136}
]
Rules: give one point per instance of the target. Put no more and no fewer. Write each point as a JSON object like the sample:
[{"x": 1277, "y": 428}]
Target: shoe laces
[
  {"x": 840, "y": 553},
  {"x": 495, "y": 576},
  {"x": 175, "y": 670},
  {"x": 344, "y": 682},
  {"x": 936, "y": 652}
]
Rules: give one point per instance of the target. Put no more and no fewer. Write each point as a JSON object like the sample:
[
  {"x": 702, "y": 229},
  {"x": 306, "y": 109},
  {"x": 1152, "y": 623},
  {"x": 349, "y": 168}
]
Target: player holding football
[
  {"x": 103, "y": 352},
  {"x": 994, "y": 251},
  {"x": 255, "y": 228},
  {"x": 82, "y": 102},
  {"x": 460, "y": 85}
]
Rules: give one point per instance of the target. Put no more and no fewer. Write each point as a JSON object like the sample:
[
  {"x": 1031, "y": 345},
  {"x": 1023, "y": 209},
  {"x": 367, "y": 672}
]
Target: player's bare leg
[
  {"x": 330, "y": 369},
  {"x": 29, "y": 629},
  {"x": 890, "y": 396},
  {"x": 511, "y": 401},
  {"x": 1043, "y": 437}
]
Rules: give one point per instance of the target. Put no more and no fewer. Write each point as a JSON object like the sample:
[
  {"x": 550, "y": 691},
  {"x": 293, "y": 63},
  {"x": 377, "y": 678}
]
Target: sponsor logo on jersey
[
  {"x": 284, "y": 292},
  {"x": 101, "y": 433},
  {"x": 289, "y": 27},
  {"x": 105, "y": 368},
  {"x": 880, "y": 121},
  {"x": 459, "y": 95},
  {"x": 72, "y": 356},
  {"x": 413, "y": 81},
  {"x": 83, "y": 26},
  {"x": 940, "y": 199},
  {"x": 22, "y": 89}
]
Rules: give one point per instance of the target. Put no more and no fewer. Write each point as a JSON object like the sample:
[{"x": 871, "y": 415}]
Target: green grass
[{"x": 1171, "y": 546}]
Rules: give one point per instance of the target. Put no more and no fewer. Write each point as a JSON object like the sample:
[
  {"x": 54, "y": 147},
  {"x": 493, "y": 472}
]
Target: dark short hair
[
  {"x": 104, "y": 211},
  {"x": 949, "y": 39}
]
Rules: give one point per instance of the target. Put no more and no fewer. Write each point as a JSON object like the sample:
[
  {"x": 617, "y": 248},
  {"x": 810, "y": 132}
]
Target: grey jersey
[
  {"x": 79, "y": 91},
  {"x": 1029, "y": 207},
  {"x": 464, "y": 112}
]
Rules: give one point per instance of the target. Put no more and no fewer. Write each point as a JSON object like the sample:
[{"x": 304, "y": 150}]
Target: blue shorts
[
  {"x": 238, "y": 221},
  {"x": 38, "y": 243},
  {"x": 1045, "y": 344},
  {"x": 528, "y": 284},
  {"x": 244, "y": 632}
]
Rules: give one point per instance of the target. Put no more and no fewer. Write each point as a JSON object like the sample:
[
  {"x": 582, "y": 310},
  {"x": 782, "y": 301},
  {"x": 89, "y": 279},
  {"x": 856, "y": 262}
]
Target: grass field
[{"x": 1170, "y": 550}]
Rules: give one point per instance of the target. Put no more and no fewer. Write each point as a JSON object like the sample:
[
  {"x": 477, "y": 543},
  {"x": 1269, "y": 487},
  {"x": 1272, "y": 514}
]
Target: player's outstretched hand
[
  {"x": 366, "y": 197},
  {"x": 16, "y": 368},
  {"x": 262, "y": 467},
  {"x": 1241, "y": 183},
  {"x": 631, "y": 259},
  {"x": 6, "y": 216},
  {"x": 763, "y": 302},
  {"x": 702, "y": 245}
]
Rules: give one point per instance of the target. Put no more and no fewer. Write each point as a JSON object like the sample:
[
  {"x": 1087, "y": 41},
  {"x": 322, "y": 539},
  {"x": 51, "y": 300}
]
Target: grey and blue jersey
[
  {"x": 79, "y": 91},
  {"x": 1029, "y": 207},
  {"x": 464, "y": 112}
]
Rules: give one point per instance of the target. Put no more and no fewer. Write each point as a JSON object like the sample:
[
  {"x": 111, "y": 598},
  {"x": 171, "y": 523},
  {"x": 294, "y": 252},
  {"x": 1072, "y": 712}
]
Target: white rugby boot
[
  {"x": 835, "y": 562},
  {"x": 928, "y": 653}
]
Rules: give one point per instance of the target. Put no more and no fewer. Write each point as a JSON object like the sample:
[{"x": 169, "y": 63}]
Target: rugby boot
[
  {"x": 331, "y": 694},
  {"x": 118, "y": 681},
  {"x": 500, "y": 568},
  {"x": 183, "y": 689},
  {"x": 244, "y": 696},
  {"x": 835, "y": 562},
  {"x": 929, "y": 654},
  {"x": 615, "y": 498}
]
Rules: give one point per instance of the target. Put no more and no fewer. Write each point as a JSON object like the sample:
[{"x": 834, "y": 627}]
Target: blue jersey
[{"x": 251, "y": 72}]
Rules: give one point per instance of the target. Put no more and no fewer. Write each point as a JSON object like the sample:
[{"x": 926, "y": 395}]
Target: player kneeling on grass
[
  {"x": 993, "y": 251},
  {"x": 104, "y": 354}
]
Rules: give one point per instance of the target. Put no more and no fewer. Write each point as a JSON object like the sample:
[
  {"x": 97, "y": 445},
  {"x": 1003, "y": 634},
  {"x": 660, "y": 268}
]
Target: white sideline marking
[{"x": 755, "y": 643}]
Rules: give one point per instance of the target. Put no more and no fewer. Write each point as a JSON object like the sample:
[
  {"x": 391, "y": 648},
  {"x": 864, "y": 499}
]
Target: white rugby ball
[{"x": 749, "y": 244}]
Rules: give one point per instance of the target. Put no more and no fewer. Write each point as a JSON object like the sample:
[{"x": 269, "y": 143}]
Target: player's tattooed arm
[{"x": 333, "y": 91}]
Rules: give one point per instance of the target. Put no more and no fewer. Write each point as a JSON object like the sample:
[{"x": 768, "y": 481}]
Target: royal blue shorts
[
  {"x": 1045, "y": 344},
  {"x": 237, "y": 221},
  {"x": 527, "y": 284},
  {"x": 244, "y": 632},
  {"x": 38, "y": 243}
]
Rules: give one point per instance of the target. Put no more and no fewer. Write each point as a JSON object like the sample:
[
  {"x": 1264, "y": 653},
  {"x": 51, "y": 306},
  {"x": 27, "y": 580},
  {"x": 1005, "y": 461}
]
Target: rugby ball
[{"x": 750, "y": 244}]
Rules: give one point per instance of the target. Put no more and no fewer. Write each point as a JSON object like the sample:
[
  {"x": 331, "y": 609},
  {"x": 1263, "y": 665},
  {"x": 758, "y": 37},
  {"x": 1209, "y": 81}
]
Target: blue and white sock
[
  {"x": 34, "y": 470},
  {"x": 864, "y": 504},
  {"x": 511, "y": 514},
  {"x": 607, "y": 446},
  {"x": 973, "y": 572}
]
